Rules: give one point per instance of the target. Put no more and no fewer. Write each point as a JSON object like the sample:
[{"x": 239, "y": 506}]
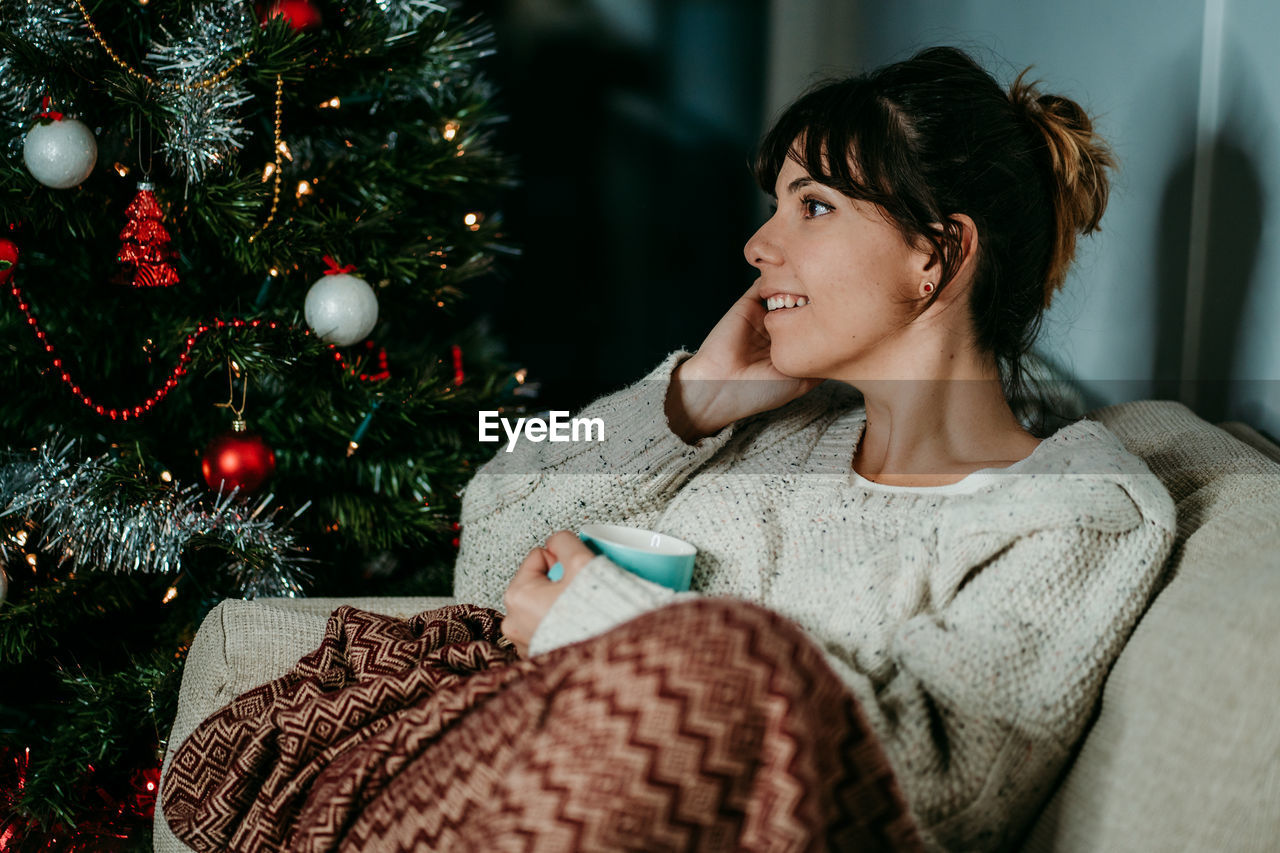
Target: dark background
[{"x": 632, "y": 132}]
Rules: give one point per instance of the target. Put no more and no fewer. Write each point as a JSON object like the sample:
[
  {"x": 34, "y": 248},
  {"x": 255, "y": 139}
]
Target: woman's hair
[{"x": 936, "y": 135}]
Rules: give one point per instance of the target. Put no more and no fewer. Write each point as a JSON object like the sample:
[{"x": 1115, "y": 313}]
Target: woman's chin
[{"x": 788, "y": 364}]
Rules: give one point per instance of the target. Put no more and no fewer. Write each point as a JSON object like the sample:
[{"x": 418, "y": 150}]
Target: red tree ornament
[
  {"x": 298, "y": 14},
  {"x": 238, "y": 458},
  {"x": 8, "y": 259},
  {"x": 145, "y": 243}
]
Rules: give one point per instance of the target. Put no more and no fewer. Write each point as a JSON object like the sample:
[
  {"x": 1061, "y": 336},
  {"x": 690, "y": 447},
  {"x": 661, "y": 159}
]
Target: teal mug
[{"x": 653, "y": 556}]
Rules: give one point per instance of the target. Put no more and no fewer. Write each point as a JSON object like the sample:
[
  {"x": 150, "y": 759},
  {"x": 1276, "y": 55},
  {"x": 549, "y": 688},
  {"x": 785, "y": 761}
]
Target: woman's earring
[{"x": 927, "y": 287}]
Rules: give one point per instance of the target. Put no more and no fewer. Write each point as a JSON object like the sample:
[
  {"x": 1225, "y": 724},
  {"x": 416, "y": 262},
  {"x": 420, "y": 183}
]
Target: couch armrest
[
  {"x": 242, "y": 644},
  {"x": 1182, "y": 754},
  {"x": 1253, "y": 438}
]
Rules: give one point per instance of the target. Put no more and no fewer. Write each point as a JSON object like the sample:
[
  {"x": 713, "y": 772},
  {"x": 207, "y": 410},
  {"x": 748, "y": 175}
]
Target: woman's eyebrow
[{"x": 798, "y": 183}]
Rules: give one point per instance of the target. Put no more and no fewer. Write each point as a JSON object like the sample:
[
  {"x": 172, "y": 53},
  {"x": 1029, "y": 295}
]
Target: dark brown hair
[{"x": 936, "y": 135}]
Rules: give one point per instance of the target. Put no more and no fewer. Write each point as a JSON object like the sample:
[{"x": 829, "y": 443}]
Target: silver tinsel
[
  {"x": 203, "y": 131},
  {"x": 52, "y": 27},
  {"x": 405, "y": 16},
  {"x": 88, "y": 520}
]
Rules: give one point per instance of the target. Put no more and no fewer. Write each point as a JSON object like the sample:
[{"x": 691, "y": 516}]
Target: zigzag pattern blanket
[{"x": 711, "y": 724}]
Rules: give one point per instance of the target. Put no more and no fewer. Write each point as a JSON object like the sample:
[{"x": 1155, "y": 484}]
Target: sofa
[{"x": 1184, "y": 751}]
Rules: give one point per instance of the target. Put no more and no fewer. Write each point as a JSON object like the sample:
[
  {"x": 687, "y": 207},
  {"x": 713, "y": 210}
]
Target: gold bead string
[
  {"x": 279, "y": 146},
  {"x": 129, "y": 69}
]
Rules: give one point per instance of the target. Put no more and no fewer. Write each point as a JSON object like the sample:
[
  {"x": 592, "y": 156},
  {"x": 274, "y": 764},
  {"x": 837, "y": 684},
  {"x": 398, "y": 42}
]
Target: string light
[
  {"x": 121, "y": 169},
  {"x": 458, "y": 374},
  {"x": 451, "y": 130},
  {"x": 354, "y": 444},
  {"x": 331, "y": 104},
  {"x": 163, "y": 84},
  {"x": 304, "y": 188}
]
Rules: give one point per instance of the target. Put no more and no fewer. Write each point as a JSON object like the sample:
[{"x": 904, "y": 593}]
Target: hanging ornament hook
[
  {"x": 233, "y": 371},
  {"x": 151, "y": 144}
]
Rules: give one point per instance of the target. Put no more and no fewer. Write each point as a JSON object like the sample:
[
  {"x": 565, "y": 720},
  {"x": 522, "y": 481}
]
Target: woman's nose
[{"x": 761, "y": 250}]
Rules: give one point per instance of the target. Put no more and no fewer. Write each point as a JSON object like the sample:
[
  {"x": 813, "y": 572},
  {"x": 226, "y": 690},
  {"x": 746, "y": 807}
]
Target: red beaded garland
[
  {"x": 8, "y": 252},
  {"x": 115, "y": 414}
]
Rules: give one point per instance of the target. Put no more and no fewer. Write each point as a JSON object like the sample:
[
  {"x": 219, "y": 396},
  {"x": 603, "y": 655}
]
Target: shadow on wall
[
  {"x": 632, "y": 125},
  {"x": 1236, "y": 210}
]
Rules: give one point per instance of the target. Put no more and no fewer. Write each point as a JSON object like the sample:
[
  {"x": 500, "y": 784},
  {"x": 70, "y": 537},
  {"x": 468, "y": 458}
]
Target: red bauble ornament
[
  {"x": 237, "y": 458},
  {"x": 145, "y": 245},
  {"x": 8, "y": 259},
  {"x": 298, "y": 14}
]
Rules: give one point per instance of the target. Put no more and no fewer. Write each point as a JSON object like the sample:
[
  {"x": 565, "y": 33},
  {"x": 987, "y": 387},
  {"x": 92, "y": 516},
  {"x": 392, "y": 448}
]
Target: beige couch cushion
[
  {"x": 242, "y": 644},
  {"x": 1185, "y": 752}
]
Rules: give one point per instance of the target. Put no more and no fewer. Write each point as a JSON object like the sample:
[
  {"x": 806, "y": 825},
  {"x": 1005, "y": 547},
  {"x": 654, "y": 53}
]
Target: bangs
[{"x": 842, "y": 116}]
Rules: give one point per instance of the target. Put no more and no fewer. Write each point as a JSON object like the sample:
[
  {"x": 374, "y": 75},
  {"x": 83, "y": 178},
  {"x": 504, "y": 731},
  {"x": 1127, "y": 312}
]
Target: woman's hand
[
  {"x": 708, "y": 392},
  {"x": 530, "y": 594}
]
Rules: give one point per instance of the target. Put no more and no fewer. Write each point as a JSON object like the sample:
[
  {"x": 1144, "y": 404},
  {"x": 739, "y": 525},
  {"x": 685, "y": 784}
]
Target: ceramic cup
[{"x": 654, "y": 556}]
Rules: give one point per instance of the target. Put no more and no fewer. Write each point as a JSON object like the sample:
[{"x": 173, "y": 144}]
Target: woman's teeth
[{"x": 785, "y": 300}]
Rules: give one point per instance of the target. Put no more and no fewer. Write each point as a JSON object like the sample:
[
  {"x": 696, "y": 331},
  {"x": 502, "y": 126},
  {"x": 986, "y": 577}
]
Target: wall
[{"x": 1175, "y": 298}]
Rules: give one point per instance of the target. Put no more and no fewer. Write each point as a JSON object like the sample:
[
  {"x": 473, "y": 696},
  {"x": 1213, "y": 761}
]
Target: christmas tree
[{"x": 236, "y": 251}]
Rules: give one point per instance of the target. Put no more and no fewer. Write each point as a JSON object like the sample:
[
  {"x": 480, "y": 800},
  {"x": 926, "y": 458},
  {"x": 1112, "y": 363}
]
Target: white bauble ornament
[
  {"x": 341, "y": 309},
  {"x": 60, "y": 154}
]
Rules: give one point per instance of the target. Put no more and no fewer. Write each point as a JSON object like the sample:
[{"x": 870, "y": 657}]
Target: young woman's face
[{"x": 853, "y": 268}]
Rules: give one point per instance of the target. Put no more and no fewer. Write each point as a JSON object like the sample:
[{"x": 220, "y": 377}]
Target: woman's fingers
[
  {"x": 536, "y": 562},
  {"x": 566, "y": 548}
]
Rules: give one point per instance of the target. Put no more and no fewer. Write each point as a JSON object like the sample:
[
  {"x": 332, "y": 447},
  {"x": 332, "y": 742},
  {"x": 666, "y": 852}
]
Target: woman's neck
[{"x": 935, "y": 432}]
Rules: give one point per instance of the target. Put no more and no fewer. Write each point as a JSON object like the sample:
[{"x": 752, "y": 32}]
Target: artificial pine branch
[{"x": 392, "y": 171}]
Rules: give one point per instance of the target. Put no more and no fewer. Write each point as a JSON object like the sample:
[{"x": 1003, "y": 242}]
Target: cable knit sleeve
[
  {"x": 519, "y": 498},
  {"x": 600, "y": 598},
  {"x": 989, "y": 688}
]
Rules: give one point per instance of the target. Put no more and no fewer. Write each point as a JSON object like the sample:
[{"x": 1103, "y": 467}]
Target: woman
[
  {"x": 969, "y": 582},
  {"x": 904, "y": 602}
]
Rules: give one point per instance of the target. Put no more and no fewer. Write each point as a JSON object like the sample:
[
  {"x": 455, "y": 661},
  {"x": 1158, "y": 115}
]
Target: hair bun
[{"x": 1076, "y": 159}]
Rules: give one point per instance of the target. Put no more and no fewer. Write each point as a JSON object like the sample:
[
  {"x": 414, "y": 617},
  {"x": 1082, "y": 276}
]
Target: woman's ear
[
  {"x": 968, "y": 244},
  {"x": 965, "y": 232}
]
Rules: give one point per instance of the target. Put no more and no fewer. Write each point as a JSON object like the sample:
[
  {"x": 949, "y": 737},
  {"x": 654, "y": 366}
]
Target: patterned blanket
[{"x": 711, "y": 724}]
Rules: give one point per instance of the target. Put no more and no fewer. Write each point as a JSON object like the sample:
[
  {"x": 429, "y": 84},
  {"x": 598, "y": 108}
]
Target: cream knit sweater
[{"x": 974, "y": 622}]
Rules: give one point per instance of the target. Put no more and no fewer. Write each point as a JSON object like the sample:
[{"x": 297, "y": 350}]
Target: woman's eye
[{"x": 814, "y": 207}]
